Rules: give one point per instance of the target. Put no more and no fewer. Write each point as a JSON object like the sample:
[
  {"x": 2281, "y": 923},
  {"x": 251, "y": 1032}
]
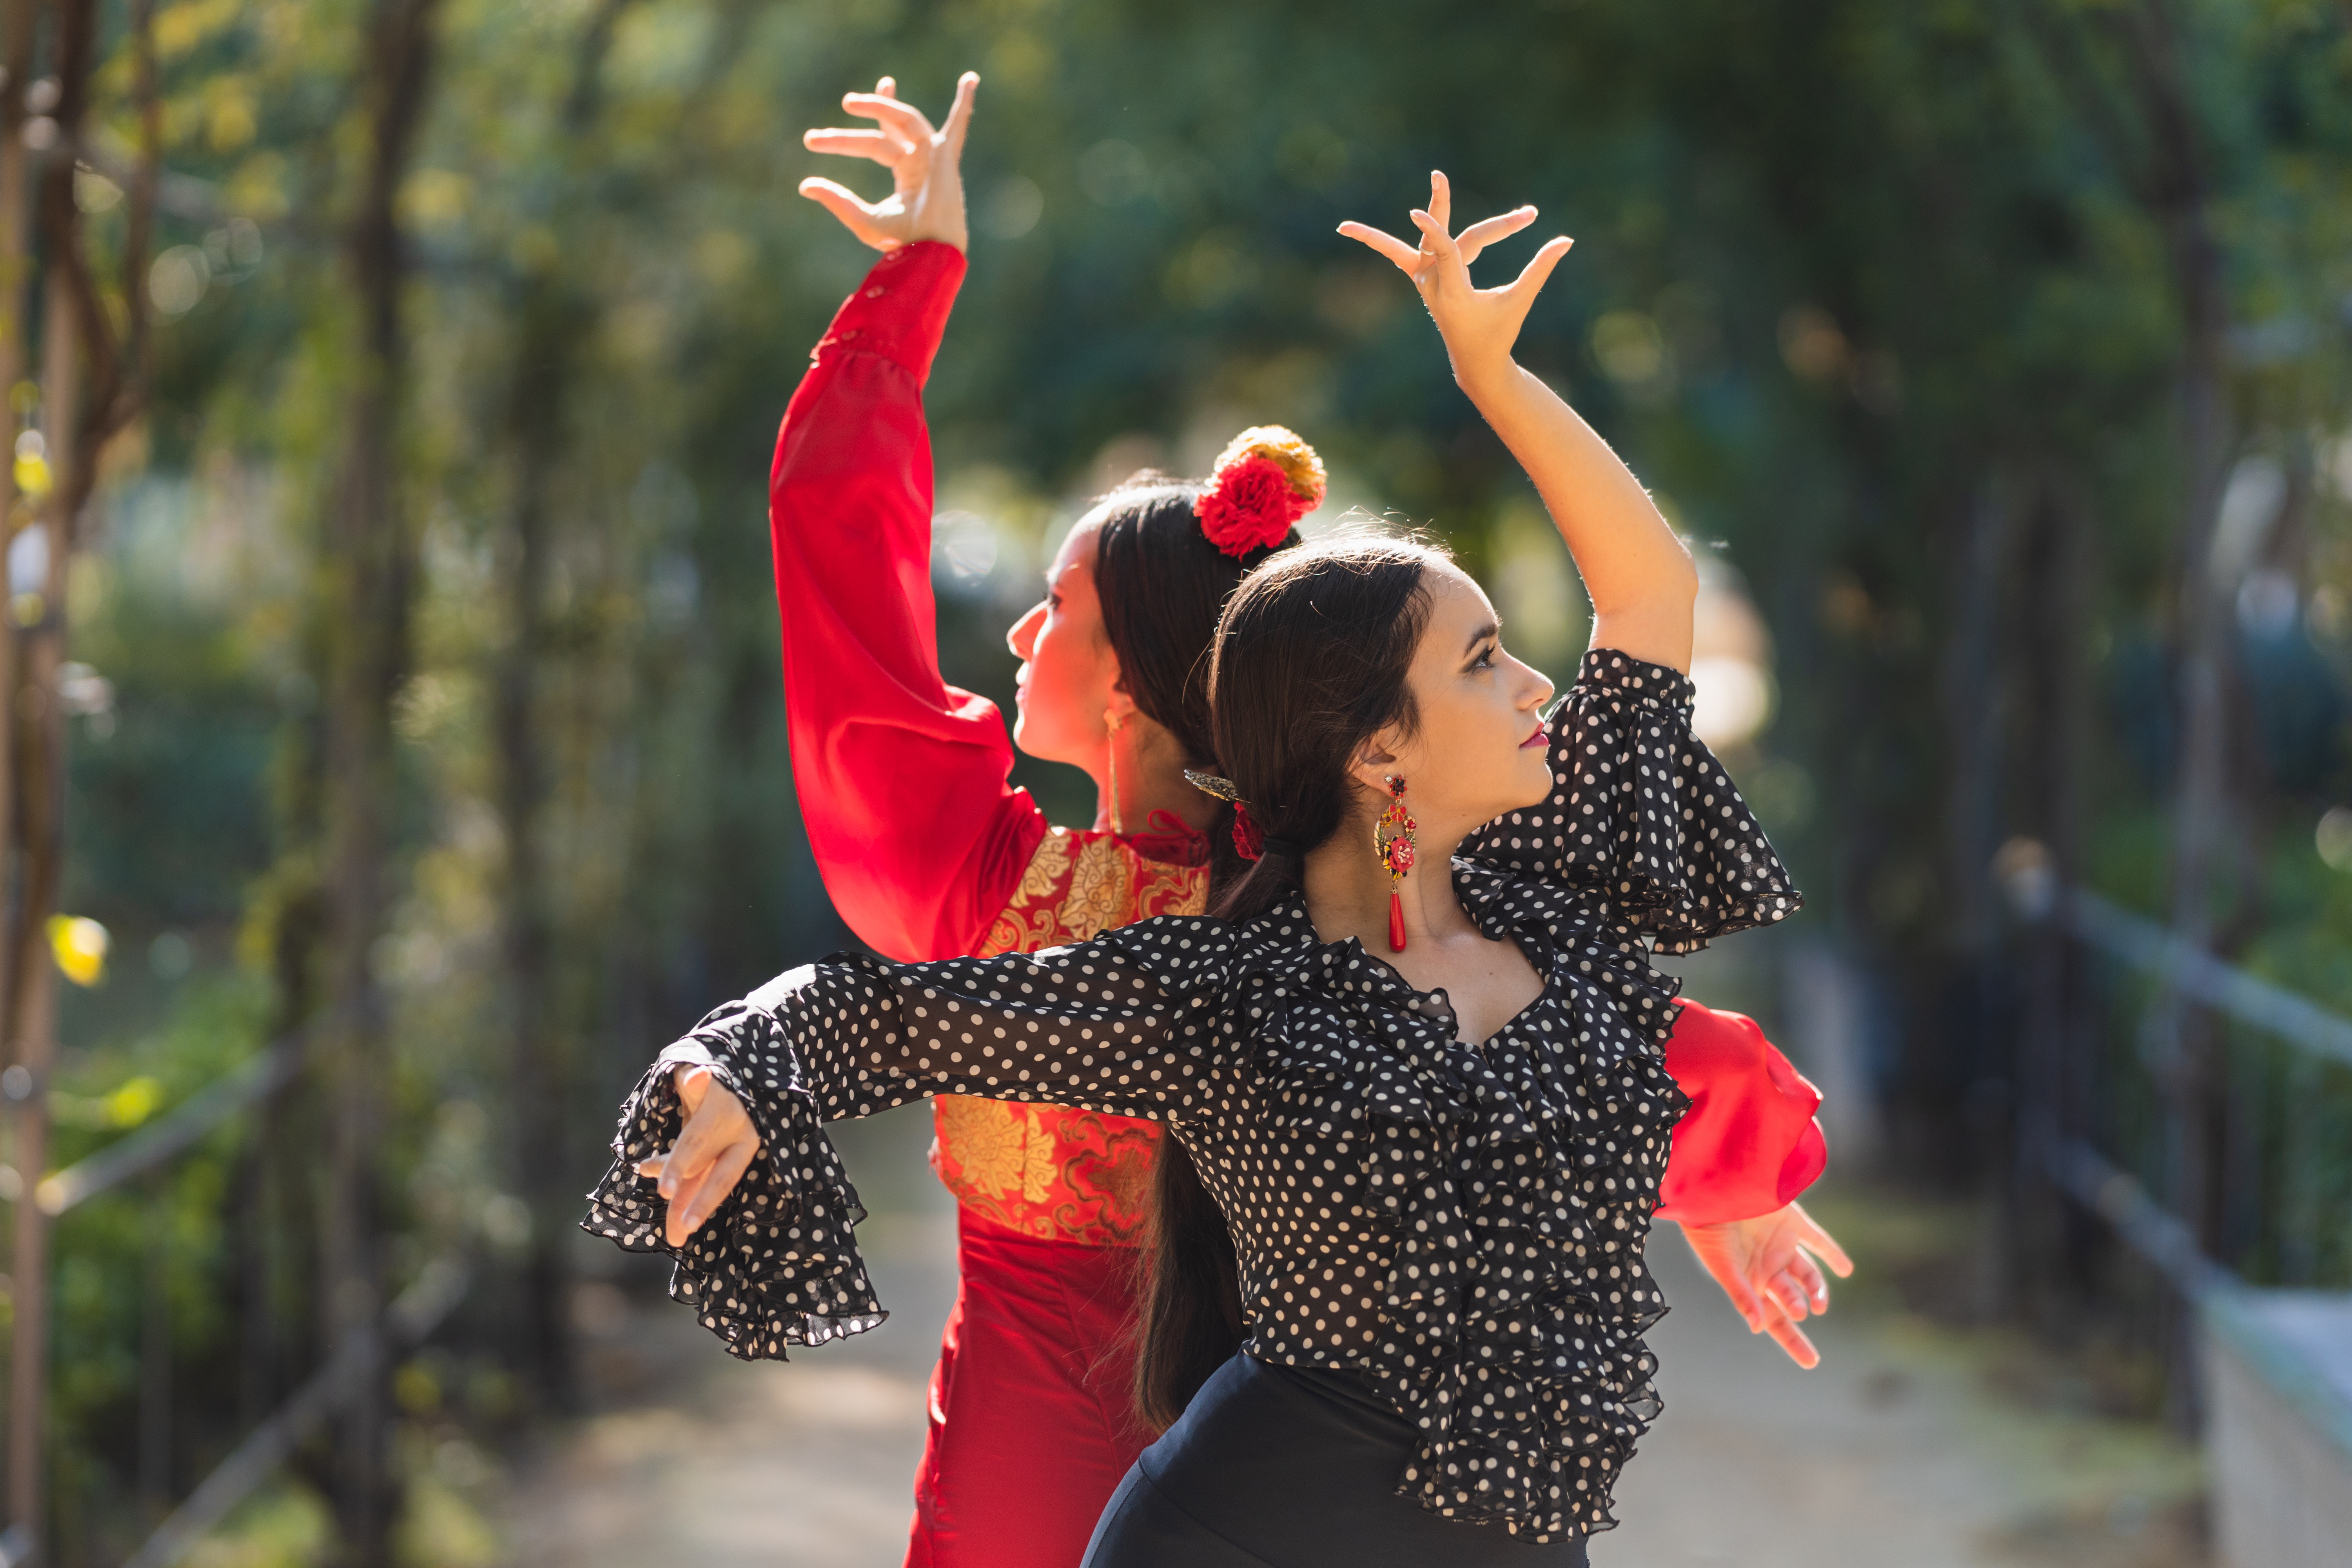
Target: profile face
[
  {"x": 1067, "y": 666},
  {"x": 1477, "y": 750}
]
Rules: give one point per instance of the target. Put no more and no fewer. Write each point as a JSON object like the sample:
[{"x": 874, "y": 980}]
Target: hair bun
[{"x": 1264, "y": 481}]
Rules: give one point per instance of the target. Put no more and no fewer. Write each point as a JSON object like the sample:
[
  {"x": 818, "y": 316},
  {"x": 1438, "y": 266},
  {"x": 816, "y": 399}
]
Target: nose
[
  {"x": 1539, "y": 688},
  {"x": 1023, "y": 638}
]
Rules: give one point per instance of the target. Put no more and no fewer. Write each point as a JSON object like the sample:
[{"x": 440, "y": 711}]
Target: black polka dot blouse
[{"x": 1462, "y": 1225}]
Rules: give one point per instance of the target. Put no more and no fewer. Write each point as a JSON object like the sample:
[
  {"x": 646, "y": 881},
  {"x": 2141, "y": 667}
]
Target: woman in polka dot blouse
[{"x": 1437, "y": 1169}]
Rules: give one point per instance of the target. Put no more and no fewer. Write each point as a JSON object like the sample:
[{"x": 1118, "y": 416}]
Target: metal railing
[
  {"x": 416, "y": 1313},
  {"x": 412, "y": 1316},
  {"x": 176, "y": 1130},
  {"x": 2181, "y": 970},
  {"x": 2202, "y": 977}
]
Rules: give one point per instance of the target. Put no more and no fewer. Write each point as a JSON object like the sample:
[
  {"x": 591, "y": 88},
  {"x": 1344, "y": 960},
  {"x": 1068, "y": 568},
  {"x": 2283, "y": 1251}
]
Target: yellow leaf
[
  {"x": 33, "y": 477},
  {"x": 134, "y": 1102},
  {"x": 79, "y": 944}
]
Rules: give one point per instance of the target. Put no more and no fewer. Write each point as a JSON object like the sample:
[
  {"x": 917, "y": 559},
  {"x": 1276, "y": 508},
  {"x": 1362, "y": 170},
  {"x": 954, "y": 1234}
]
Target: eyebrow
[{"x": 1492, "y": 628}]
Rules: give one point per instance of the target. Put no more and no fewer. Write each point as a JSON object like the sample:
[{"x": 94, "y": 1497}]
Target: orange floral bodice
[{"x": 1043, "y": 1171}]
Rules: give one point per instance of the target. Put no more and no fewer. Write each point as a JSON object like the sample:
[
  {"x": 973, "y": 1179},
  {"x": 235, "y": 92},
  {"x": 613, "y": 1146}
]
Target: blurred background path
[{"x": 1901, "y": 1449}]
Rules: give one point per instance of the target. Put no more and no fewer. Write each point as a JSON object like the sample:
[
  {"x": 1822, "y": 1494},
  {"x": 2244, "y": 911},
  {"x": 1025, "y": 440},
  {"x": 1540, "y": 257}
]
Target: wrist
[
  {"x": 958, "y": 239},
  {"x": 941, "y": 218},
  {"x": 1484, "y": 376}
]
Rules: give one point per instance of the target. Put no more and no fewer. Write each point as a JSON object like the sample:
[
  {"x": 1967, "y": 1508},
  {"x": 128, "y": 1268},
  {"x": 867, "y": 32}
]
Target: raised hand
[
  {"x": 1479, "y": 325},
  {"x": 709, "y": 1157},
  {"x": 1766, "y": 1266},
  {"x": 1636, "y": 574},
  {"x": 926, "y": 199}
]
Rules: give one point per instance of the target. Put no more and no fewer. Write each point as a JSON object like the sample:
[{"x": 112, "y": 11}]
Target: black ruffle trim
[
  {"x": 777, "y": 1265},
  {"x": 1643, "y": 813}
]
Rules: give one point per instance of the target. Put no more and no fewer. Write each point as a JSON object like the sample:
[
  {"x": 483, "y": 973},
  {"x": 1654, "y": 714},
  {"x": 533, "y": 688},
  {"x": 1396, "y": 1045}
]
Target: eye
[{"x": 1486, "y": 659}]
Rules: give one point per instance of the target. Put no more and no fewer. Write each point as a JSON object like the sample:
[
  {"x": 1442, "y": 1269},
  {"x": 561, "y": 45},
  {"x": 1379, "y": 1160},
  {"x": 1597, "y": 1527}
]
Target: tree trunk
[
  {"x": 1972, "y": 701},
  {"x": 38, "y": 755},
  {"x": 39, "y": 724},
  {"x": 2055, "y": 575},
  {"x": 2177, "y": 194},
  {"x": 553, "y": 319},
  {"x": 2203, "y": 809},
  {"x": 542, "y": 367},
  {"x": 372, "y": 559},
  {"x": 29, "y": 1344}
]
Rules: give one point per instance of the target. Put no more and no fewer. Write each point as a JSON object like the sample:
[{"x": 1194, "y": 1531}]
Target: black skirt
[{"x": 1278, "y": 1466}]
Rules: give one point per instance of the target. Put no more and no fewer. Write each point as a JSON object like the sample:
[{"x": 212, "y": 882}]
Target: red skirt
[{"x": 1032, "y": 1417}]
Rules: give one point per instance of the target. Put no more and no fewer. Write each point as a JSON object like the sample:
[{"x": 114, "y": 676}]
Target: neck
[
  {"x": 1348, "y": 891},
  {"x": 1150, "y": 779}
]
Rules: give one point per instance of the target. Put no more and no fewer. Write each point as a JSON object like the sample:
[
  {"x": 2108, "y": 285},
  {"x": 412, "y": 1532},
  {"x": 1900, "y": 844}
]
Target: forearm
[
  {"x": 1640, "y": 577},
  {"x": 902, "y": 779},
  {"x": 852, "y": 1036}
]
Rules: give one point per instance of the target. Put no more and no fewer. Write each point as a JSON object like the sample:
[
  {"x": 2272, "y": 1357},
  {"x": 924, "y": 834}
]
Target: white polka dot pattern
[{"x": 1462, "y": 1224}]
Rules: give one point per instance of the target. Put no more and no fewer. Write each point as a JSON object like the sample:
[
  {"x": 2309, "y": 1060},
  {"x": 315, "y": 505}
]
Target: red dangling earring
[{"x": 1392, "y": 842}]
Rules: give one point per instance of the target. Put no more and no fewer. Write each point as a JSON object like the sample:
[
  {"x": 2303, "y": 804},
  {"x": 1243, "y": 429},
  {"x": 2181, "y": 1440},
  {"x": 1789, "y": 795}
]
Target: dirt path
[
  {"x": 1891, "y": 1453},
  {"x": 695, "y": 1458}
]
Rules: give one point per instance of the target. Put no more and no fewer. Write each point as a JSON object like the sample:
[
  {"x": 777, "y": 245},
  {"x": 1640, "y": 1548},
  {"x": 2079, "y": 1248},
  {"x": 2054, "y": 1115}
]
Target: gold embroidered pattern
[
  {"x": 1041, "y": 878},
  {"x": 1044, "y": 1170},
  {"x": 989, "y": 1137}
]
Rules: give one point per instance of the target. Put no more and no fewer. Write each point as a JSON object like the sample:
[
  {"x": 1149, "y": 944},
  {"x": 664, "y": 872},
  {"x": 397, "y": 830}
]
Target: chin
[
  {"x": 1533, "y": 774},
  {"x": 1039, "y": 740}
]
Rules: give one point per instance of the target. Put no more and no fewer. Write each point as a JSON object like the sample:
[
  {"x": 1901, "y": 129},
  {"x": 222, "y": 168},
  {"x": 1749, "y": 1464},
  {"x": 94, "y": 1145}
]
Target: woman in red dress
[{"x": 929, "y": 853}]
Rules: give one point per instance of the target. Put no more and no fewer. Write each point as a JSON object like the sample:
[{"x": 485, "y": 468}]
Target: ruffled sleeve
[
  {"x": 1643, "y": 814},
  {"x": 1748, "y": 1144},
  {"x": 776, "y": 1264}
]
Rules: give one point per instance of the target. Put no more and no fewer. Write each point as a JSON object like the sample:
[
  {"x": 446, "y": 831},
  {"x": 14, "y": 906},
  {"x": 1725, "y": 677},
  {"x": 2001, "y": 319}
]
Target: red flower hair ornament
[{"x": 1264, "y": 482}]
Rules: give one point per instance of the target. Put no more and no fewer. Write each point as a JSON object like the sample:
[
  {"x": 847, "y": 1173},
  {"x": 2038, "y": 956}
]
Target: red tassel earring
[{"x": 1392, "y": 842}]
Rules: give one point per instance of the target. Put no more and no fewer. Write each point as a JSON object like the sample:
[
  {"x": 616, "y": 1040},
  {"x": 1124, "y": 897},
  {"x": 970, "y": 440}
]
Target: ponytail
[{"x": 1192, "y": 1296}]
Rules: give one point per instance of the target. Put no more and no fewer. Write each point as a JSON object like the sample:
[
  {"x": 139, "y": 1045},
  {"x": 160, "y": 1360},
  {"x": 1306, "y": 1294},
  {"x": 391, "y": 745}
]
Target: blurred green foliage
[{"x": 1850, "y": 276}]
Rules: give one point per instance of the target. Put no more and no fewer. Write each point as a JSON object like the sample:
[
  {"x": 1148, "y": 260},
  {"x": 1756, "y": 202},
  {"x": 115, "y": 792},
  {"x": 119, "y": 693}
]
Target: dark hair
[
  {"x": 1310, "y": 659},
  {"x": 1163, "y": 587}
]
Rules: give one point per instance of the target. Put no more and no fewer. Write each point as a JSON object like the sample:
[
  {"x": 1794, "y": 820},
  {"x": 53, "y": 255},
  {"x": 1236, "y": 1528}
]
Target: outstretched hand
[
  {"x": 1766, "y": 1266},
  {"x": 926, "y": 199},
  {"x": 711, "y": 1154},
  {"x": 1479, "y": 325}
]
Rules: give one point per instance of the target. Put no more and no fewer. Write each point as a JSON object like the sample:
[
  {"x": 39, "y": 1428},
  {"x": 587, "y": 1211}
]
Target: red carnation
[{"x": 1251, "y": 507}]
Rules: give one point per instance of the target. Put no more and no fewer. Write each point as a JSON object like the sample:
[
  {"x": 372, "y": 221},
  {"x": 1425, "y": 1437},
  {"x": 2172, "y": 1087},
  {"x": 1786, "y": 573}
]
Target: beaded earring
[
  {"x": 1112, "y": 722},
  {"x": 1392, "y": 842}
]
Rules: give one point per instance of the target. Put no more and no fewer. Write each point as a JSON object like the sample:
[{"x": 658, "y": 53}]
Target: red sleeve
[
  {"x": 1750, "y": 1144},
  {"x": 902, "y": 777}
]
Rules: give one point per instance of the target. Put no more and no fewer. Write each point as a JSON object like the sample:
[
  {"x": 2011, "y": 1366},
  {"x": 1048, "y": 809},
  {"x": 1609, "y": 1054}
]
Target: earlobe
[{"x": 1122, "y": 701}]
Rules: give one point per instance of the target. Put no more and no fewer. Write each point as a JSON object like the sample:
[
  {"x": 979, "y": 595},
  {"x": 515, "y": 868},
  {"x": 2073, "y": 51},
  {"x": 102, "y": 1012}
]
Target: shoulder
[
  {"x": 1082, "y": 881},
  {"x": 1202, "y": 956}
]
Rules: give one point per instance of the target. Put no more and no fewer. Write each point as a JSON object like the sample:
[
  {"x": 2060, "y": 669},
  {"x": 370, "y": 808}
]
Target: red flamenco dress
[{"x": 930, "y": 853}]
